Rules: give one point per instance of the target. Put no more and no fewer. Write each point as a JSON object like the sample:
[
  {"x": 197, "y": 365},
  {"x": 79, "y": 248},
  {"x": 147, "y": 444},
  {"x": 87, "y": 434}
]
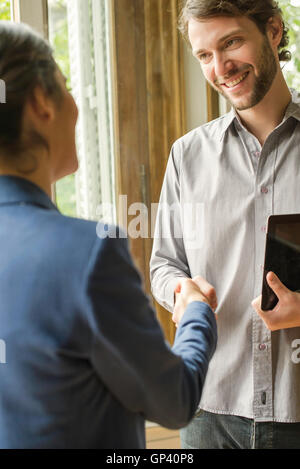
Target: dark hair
[
  {"x": 259, "y": 11},
  {"x": 26, "y": 61}
]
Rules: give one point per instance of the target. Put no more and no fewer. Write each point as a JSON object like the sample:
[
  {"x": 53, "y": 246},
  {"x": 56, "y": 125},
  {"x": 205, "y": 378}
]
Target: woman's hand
[{"x": 189, "y": 290}]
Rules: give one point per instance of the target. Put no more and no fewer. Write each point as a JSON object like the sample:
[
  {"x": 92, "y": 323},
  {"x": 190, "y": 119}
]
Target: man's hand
[
  {"x": 188, "y": 290},
  {"x": 286, "y": 313}
]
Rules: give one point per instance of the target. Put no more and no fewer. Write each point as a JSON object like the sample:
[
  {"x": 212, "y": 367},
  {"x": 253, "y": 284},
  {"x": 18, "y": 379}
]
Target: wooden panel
[
  {"x": 162, "y": 438},
  {"x": 166, "y": 116},
  {"x": 149, "y": 109},
  {"x": 213, "y": 109},
  {"x": 131, "y": 107}
]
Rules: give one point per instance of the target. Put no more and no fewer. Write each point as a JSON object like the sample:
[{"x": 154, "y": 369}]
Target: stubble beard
[{"x": 267, "y": 70}]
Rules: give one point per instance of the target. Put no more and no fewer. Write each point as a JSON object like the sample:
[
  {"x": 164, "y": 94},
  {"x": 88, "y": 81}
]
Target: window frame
[{"x": 33, "y": 13}]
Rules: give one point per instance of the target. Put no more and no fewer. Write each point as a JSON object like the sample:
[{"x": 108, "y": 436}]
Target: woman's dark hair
[
  {"x": 26, "y": 61},
  {"x": 259, "y": 11}
]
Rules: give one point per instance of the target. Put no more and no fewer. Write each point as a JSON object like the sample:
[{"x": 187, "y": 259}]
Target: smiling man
[
  {"x": 243, "y": 66},
  {"x": 240, "y": 168}
]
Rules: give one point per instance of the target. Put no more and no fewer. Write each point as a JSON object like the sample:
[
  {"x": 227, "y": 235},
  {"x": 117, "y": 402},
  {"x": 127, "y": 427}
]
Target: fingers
[
  {"x": 196, "y": 287},
  {"x": 187, "y": 291},
  {"x": 207, "y": 289},
  {"x": 256, "y": 304},
  {"x": 265, "y": 315},
  {"x": 277, "y": 286}
]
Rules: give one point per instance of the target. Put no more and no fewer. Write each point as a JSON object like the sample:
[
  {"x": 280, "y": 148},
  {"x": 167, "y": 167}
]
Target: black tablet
[{"x": 282, "y": 255}]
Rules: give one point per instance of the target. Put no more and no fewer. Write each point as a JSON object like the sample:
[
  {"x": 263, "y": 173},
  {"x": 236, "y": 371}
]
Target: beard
[{"x": 267, "y": 70}]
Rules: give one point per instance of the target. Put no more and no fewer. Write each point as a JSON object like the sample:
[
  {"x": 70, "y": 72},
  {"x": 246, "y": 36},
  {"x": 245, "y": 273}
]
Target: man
[{"x": 237, "y": 170}]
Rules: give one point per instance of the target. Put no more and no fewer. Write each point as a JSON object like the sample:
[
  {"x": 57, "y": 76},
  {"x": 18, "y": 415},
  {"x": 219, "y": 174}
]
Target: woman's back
[{"x": 50, "y": 393}]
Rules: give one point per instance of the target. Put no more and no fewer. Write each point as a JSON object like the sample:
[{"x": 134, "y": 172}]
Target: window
[
  {"x": 292, "y": 15},
  {"x": 5, "y": 13},
  {"x": 79, "y": 35},
  {"x": 78, "y": 32},
  {"x": 65, "y": 190}
]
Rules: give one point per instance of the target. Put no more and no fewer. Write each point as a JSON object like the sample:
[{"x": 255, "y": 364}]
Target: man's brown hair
[{"x": 259, "y": 11}]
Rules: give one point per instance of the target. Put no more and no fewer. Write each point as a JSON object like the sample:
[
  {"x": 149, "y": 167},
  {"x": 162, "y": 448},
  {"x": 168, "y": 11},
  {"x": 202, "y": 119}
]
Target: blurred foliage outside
[
  {"x": 5, "y": 10},
  {"x": 65, "y": 188},
  {"x": 291, "y": 13},
  {"x": 58, "y": 35}
]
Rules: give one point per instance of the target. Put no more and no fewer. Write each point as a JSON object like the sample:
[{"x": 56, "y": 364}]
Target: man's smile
[{"x": 233, "y": 83}]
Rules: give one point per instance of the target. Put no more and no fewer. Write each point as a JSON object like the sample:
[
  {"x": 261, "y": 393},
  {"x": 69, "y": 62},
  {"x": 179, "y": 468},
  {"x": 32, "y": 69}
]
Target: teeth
[{"x": 231, "y": 84}]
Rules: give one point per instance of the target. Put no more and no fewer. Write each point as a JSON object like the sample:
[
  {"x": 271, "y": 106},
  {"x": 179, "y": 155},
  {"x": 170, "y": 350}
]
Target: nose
[{"x": 222, "y": 65}]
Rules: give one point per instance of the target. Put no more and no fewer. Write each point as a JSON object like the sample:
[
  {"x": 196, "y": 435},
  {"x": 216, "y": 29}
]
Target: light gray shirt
[{"x": 222, "y": 186}]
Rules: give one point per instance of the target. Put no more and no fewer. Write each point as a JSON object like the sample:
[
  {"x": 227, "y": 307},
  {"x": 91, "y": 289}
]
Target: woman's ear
[{"x": 41, "y": 106}]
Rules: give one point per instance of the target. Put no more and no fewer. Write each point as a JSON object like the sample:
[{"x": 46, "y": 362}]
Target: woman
[{"x": 86, "y": 361}]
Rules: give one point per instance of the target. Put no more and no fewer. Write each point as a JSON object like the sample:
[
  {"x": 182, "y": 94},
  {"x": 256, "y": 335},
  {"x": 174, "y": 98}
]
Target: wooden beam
[
  {"x": 148, "y": 109},
  {"x": 213, "y": 109}
]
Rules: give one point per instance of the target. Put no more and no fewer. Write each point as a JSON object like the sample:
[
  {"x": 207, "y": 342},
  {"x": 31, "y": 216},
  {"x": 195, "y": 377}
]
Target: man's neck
[{"x": 263, "y": 118}]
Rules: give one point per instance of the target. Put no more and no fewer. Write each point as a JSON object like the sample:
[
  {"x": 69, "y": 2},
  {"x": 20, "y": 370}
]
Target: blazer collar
[{"x": 15, "y": 191}]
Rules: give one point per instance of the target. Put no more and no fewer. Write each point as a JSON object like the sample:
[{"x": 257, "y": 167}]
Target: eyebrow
[{"x": 222, "y": 39}]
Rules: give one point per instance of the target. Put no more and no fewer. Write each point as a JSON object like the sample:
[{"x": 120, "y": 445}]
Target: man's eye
[
  {"x": 204, "y": 58},
  {"x": 232, "y": 42}
]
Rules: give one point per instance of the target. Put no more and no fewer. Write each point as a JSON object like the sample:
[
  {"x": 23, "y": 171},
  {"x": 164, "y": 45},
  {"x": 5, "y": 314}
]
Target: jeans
[{"x": 216, "y": 431}]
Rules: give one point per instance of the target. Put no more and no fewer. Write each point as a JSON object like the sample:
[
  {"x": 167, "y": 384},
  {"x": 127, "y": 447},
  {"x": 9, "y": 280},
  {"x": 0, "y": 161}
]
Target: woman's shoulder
[{"x": 82, "y": 235}]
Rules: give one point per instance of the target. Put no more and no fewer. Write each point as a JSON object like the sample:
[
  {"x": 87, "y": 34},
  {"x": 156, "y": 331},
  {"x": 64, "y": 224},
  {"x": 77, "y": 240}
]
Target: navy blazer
[{"x": 85, "y": 358}]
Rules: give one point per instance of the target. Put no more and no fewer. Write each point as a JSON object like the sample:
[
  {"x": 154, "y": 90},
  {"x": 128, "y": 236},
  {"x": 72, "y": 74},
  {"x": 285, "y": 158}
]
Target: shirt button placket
[{"x": 262, "y": 359}]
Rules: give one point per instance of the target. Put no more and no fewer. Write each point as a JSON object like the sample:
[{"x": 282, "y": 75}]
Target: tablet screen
[{"x": 282, "y": 255}]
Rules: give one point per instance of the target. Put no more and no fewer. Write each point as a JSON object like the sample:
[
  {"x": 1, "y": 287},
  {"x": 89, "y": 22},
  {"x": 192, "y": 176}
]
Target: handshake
[
  {"x": 189, "y": 290},
  {"x": 285, "y": 315}
]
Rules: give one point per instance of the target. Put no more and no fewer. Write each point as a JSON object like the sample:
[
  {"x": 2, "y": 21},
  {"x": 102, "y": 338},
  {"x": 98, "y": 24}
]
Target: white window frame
[
  {"x": 95, "y": 179},
  {"x": 32, "y": 12}
]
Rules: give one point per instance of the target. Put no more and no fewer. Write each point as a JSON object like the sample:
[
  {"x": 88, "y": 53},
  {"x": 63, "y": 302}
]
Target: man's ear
[
  {"x": 41, "y": 106},
  {"x": 275, "y": 30}
]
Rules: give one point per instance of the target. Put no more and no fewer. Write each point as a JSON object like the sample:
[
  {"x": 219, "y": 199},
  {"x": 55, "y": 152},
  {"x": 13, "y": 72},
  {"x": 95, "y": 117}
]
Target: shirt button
[
  {"x": 262, "y": 347},
  {"x": 264, "y": 229},
  {"x": 264, "y": 190},
  {"x": 257, "y": 154}
]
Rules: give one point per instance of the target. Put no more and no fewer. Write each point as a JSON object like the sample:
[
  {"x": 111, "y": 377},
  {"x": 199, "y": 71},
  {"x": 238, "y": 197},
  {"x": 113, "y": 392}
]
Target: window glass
[
  {"x": 291, "y": 70},
  {"x": 58, "y": 36},
  {"x": 5, "y": 14},
  {"x": 79, "y": 35}
]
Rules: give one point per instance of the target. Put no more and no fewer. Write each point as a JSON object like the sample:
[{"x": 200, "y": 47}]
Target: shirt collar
[
  {"x": 226, "y": 121},
  {"x": 16, "y": 190},
  {"x": 293, "y": 110}
]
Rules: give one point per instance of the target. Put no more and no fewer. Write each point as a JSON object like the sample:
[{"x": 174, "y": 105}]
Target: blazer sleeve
[{"x": 129, "y": 352}]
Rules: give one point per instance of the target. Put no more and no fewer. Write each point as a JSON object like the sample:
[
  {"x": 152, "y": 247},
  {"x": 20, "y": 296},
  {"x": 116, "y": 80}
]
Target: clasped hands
[
  {"x": 286, "y": 313},
  {"x": 189, "y": 290}
]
